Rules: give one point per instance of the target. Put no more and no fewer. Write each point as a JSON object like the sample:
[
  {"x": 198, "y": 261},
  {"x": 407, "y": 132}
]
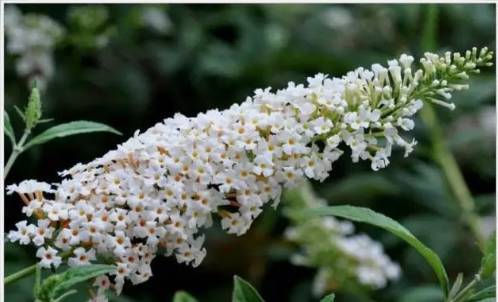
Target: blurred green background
[{"x": 131, "y": 66}]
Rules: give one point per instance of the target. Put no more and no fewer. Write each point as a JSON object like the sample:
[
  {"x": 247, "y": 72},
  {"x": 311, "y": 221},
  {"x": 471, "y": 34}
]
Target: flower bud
[{"x": 33, "y": 111}]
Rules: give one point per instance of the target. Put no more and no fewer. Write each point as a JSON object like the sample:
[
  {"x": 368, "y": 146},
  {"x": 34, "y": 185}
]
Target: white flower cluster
[
  {"x": 154, "y": 193},
  {"x": 32, "y": 38},
  {"x": 331, "y": 246},
  {"x": 155, "y": 18}
]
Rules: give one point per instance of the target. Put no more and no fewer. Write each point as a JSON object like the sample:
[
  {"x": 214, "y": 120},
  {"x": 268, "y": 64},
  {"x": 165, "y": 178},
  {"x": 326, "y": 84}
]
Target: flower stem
[
  {"x": 32, "y": 269},
  {"x": 20, "y": 274},
  {"x": 68, "y": 293},
  {"x": 16, "y": 151},
  {"x": 452, "y": 173},
  {"x": 441, "y": 152}
]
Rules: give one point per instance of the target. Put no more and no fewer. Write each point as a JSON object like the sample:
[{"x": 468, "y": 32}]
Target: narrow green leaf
[
  {"x": 79, "y": 274},
  {"x": 7, "y": 128},
  {"x": 485, "y": 293},
  {"x": 58, "y": 284},
  {"x": 20, "y": 113},
  {"x": 45, "y": 120},
  {"x": 490, "y": 246},
  {"x": 71, "y": 128},
  {"x": 244, "y": 292},
  {"x": 422, "y": 293},
  {"x": 487, "y": 300},
  {"x": 328, "y": 298},
  {"x": 182, "y": 296},
  {"x": 368, "y": 216},
  {"x": 65, "y": 295},
  {"x": 488, "y": 262},
  {"x": 456, "y": 286},
  {"x": 488, "y": 266}
]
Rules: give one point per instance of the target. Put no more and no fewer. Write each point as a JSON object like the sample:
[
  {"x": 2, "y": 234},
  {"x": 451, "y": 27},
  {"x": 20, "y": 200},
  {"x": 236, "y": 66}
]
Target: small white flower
[
  {"x": 23, "y": 233},
  {"x": 102, "y": 283},
  {"x": 406, "y": 123},
  {"x": 55, "y": 211},
  {"x": 234, "y": 224},
  {"x": 29, "y": 186},
  {"x": 264, "y": 164},
  {"x": 321, "y": 125},
  {"x": 81, "y": 257},
  {"x": 42, "y": 231},
  {"x": 48, "y": 257},
  {"x": 32, "y": 206}
]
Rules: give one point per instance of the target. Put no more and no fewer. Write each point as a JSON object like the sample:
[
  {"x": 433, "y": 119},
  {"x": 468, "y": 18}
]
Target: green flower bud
[{"x": 33, "y": 111}]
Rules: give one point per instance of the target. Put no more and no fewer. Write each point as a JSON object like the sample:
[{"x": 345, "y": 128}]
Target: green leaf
[
  {"x": 64, "y": 295},
  {"x": 456, "y": 286},
  {"x": 328, "y": 298},
  {"x": 58, "y": 284},
  {"x": 422, "y": 293},
  {"x": 20, "y": 113},
  {"x": 71, "y": 128},
  {"x": 182, "y": 296},
  {"x": 488, "y": 262},
  {"x": 244, "y": 292},
  {"x": 488, "y": 292},
  {"x": 79, "y": 274},
  {"x": 368, "y": 216},
  {"x": 45, "y": 120},
  {"x": 7, "y": 128}
]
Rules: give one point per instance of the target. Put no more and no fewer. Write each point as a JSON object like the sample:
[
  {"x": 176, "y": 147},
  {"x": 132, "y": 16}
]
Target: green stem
[
  {"x": 20, "y": 274},
  {"x": 32, "y": 269},
  {"x": 452, "y": 173},
  {"x": 442, "y": 154},
  {"x": 61, "y": 297},
  {"x": 16, "y": 151}
]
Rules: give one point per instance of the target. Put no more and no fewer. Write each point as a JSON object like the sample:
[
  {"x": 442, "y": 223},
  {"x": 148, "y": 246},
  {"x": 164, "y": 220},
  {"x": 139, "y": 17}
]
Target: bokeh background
[{"x": 131, "y": 66}]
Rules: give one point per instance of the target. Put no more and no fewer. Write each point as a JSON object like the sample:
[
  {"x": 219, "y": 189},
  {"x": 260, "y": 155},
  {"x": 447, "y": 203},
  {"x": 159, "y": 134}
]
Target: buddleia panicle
[{"x": 155, "y": 192}]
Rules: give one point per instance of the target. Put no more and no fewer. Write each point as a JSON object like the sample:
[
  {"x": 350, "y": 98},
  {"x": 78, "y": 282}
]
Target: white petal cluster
[
  {"x": 331, "y": 246},
  {"x": 156, "y": 19},
  {"x": 374, "y": 267},
  {"x": 32, "y": 38},
  {"x": 155, "y": 192}
]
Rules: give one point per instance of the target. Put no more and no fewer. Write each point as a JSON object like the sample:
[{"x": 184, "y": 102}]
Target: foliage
[
  {"x": 57, "y": 286},
  {"x": 331, "y": 245},
  {"x": 213, "y": 55},
  {"x": 329, "y": 298},
  {"x": 32, "y": 117},
  {"x": 488, "y": 262},
  {"x": 244, "y": 292},
  {"x": 366, "y": 215},
  {"x": 181, "y": 296},
  {"x": 66, "y": 129}
]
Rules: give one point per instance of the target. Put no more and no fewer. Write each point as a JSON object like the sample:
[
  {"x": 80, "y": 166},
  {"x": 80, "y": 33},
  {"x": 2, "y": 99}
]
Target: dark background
[{"x": 214, "y": 55}]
